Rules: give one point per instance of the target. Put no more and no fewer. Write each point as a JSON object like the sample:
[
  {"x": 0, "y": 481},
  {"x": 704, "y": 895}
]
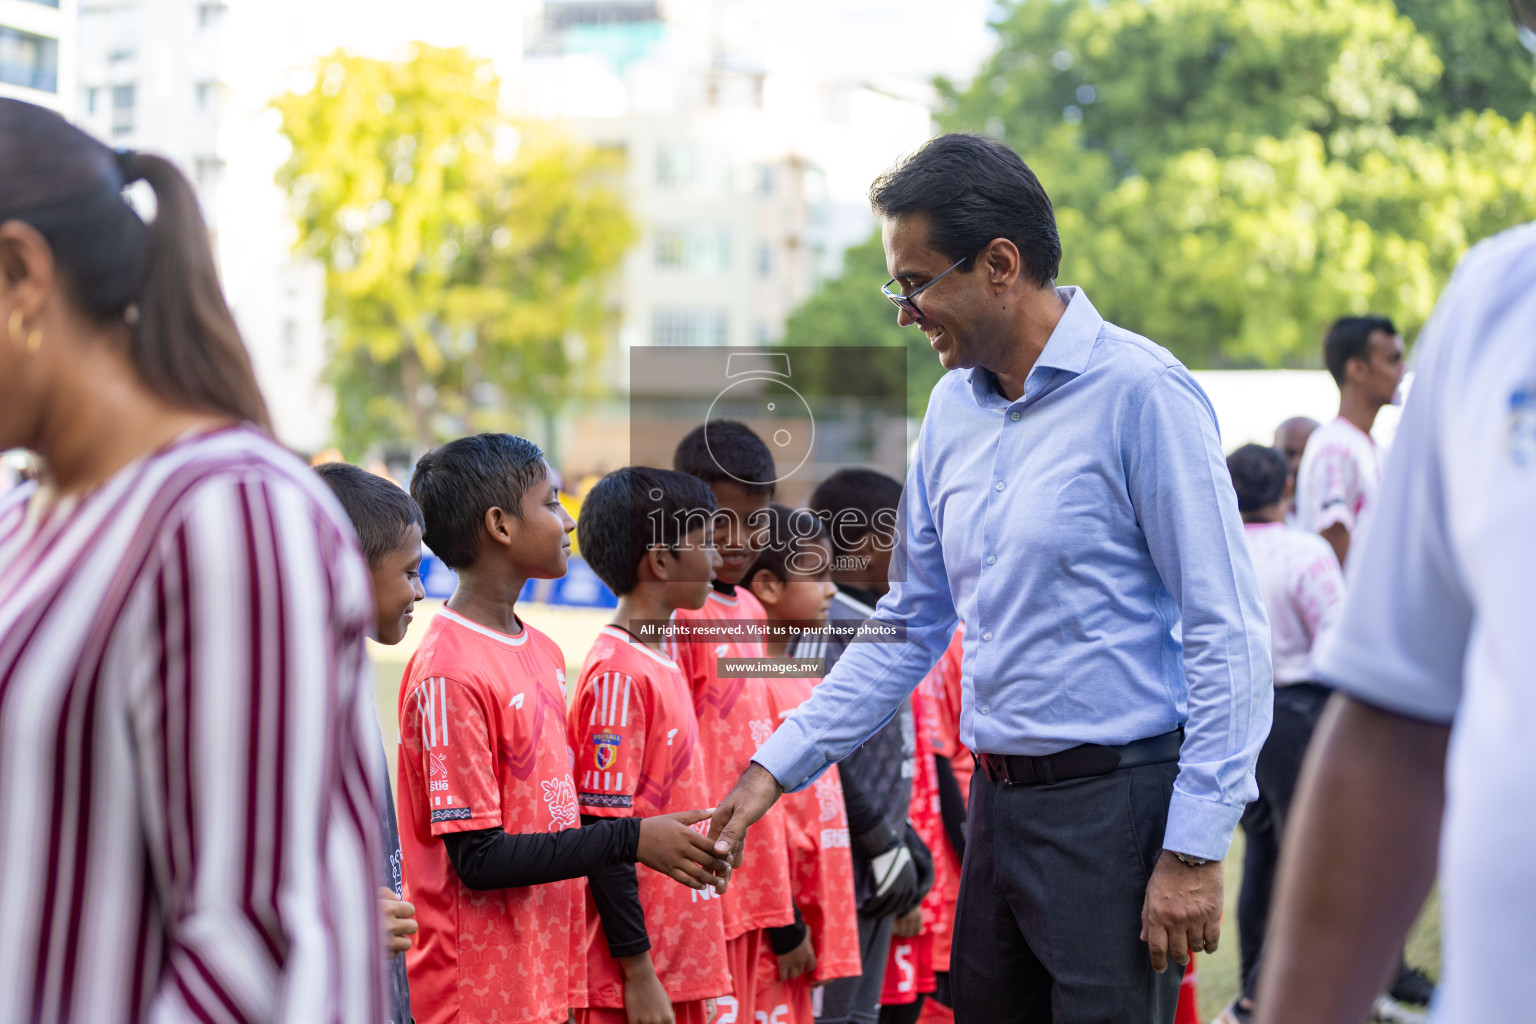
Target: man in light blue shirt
[{"x": 1069, "y": 501}]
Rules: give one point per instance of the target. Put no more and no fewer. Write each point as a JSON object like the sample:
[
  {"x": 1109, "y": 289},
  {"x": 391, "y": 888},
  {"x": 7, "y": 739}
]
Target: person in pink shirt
[{"x": 1303, "y": 590}]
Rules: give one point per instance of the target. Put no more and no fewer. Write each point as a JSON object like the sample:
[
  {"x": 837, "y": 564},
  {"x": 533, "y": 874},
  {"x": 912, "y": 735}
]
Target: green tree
[
  {"x": 848, "y": 311},
  {"x": 1229, "y": 177},
  {"x": 464, "y": 254}
]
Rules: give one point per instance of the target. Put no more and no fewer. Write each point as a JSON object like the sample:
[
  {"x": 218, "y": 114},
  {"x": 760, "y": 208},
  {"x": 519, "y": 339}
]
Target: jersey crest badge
[{"x": 607, "y": 744}]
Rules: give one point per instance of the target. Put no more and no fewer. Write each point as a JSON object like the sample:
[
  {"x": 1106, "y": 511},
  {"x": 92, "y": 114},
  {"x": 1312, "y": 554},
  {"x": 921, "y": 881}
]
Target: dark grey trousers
[
  {"x": 1049, "y": 923},
  {"x": 857, "y": 1000}
]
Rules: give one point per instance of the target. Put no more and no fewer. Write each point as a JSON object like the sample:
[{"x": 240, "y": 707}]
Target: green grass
[{"x": 1219, "y": 981}]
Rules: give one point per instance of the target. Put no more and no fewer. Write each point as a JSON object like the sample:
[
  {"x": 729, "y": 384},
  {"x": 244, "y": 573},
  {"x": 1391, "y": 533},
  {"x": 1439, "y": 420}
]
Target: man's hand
[
  {"x": 747, "y": 801},
  {"x": 669, "y": 846},
  {"x": 910, "y": 924},
  {"x": 399, "y": 921},
  {"x": 645, "y": 1000},
  {"x": 1182, "y": 912},
  {"x": 798, "y": 961}
]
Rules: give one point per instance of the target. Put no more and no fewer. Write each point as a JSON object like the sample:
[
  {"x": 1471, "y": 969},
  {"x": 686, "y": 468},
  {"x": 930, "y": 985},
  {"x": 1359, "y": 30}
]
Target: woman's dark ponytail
[
  {"x": 185, "y": 342},
  {"x": 159, "y": 279}
]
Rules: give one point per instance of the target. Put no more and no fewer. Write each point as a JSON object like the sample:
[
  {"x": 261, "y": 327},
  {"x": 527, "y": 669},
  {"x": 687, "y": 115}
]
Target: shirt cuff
[
  {"x": 1199, "y": 828},
  {"x": 792, "y": 760}
]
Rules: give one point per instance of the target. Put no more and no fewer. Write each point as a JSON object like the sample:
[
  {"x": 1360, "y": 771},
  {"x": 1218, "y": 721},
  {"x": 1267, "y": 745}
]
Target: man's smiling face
[{"x": 949, "y": 307}]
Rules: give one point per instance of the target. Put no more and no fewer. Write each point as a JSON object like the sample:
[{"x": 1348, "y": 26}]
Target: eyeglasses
[{"x": 905, "y": 302}]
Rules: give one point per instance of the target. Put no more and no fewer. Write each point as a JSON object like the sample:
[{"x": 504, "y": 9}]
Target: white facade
[
  {"x": 176, "y": 78},
  {"x": 37, "y": 52},
  {"x": 747, "y": 170}
]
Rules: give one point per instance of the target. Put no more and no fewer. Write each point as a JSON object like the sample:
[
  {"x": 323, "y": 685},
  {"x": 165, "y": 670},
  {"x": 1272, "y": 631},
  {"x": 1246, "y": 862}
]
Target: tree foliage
[
  {"x": 464, "y": 255},
  {"x": 1229, "y": 177}
]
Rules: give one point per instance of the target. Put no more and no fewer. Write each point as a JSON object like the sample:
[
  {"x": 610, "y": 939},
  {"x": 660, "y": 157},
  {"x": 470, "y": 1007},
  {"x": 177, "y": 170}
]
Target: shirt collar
[{"x": 1069, "y": 347}]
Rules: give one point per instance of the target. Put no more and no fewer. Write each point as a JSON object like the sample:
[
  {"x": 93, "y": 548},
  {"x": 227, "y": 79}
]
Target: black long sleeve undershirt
[
  {"x": 616, "y": 893},
  {"x": 490, "y": 858},
  {"x": 951, "y": 804},
  {"x": 863, "y": 815}
]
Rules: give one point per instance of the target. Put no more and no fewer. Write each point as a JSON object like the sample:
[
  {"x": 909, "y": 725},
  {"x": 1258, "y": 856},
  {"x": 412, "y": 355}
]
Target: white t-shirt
[
  {"x": 1338, "y": 476},
  {"x": 1440, "y": 621},
  {"x": 1303, "y": 591}
]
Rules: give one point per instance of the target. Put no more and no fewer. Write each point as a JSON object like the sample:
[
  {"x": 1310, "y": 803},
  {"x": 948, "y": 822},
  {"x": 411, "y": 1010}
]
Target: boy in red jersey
[
  {"x": 733, "y": 712},
  {"x": 655, "y": 951},
  {"x": 792, "y": 580},
  {"x": 488, "y": 813}
]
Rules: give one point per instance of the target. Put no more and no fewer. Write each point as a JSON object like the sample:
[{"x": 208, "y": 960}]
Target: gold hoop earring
[
  {"x": 35, "y": 339},
  {"x": 13, "y": 326}
]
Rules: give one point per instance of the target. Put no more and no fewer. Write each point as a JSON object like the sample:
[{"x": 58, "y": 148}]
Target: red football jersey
[
  {"x": 636, "y": 743},
  {"x": 816, "y": 822},
  {"x": 483, "y": 745},
  {"x": 938, "y": 730},
  {"x": 734, "y": 720}
]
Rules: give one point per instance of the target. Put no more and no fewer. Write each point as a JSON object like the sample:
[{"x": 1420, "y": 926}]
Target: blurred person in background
[
  {"x": 1340, "y": 469},
  {"x": 187, "y": 765},
  {"x": 1303, "y": 590},
  {"x": 1428, "y": 745},
  {"x": 1291, "y": 442}
]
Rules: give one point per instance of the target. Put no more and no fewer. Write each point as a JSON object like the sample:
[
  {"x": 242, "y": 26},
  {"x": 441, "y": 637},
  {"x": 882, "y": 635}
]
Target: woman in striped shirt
[{"x": 187, "y": 825}]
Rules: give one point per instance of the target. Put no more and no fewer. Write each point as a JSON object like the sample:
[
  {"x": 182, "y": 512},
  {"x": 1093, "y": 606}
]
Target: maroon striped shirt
[{"x": 188, "y": 823}]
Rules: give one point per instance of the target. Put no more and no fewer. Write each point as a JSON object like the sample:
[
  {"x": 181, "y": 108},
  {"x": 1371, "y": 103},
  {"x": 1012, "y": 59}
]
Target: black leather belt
[{"x": 1080, "y": 762}]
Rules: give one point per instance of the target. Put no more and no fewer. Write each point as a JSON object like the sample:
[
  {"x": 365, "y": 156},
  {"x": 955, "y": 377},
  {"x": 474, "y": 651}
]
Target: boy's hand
[
  {"x": 799, "y": 960},
  {"x": 669, "y": 846},
  {"x": 910, "y": 924},
  {"x": 399, "y": 923},
  {"x": 645, "y": 1000}
]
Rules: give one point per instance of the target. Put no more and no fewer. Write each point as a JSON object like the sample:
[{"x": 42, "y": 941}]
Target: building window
[
  {"x": 45, "y": 3},
  {"x": 89, "y": 98},
  {"x": 690, "y": 327},
  {"x": 765, "y": 261},
  {"x": 765, "y": 178},
  {"x": 122, "y": 109},
  {"x": 702, "y": 248},
  {"x": 210, "y": 15},
  {"x": 677, "y": 165},
  {"x": 209, "y": 95},
  {"x": 28, "y": 60}
]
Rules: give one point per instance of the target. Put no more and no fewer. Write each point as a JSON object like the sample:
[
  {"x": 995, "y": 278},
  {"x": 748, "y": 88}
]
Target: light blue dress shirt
[{"x": 1088, "y": 536}]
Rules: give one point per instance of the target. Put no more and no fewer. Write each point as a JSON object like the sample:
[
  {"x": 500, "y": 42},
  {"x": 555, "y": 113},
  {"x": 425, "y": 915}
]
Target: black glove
[
  {"x": 922, "y": 863},
  {"x": 892, "y": 872}
]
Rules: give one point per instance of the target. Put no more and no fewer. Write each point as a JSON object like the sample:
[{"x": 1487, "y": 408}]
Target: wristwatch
[{"x": 1190, "y": 862}]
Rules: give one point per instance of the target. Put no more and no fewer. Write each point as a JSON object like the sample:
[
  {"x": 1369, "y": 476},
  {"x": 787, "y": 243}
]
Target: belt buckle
[{"x": 999, "y": 764}]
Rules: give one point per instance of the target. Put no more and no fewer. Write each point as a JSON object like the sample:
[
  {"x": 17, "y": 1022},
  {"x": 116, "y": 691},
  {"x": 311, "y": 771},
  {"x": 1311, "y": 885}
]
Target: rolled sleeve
[
  {"x": 866, "y": 686},
  {"x": 1184, "y": 499}
]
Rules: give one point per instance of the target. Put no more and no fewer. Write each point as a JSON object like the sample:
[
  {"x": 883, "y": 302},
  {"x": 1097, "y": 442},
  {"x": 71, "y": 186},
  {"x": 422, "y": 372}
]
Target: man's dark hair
[
  {"x": 974, "y": 189},
  {"x": 1349, "y": 338},
  {"x": 1258, "y": 476},
  {"x": 381, "y": 513},
  {"x": 455, "y": 485},
  {"x": 787, "y": 532},
  {"x": 727, "y": 451},
  {"x": 631, "y": 509},
  {"x": 853, "y": 502}
]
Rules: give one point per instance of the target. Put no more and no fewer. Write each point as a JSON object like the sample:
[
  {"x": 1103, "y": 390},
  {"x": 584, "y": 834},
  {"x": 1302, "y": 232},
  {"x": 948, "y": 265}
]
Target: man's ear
[
  {"x": 498, "y": 523},
  {"x": 766, "y": 587},
  {"x": 1001, "y": 263}
]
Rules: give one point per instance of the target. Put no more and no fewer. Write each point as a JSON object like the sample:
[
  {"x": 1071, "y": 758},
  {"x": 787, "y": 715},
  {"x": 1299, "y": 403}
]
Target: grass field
[{"x": 575, "y": 629}]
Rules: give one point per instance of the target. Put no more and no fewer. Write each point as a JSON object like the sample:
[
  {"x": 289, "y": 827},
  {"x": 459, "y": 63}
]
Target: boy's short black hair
[
  {"x": 631, "y": 509},
  {"x": 853, "y": 502},
  {"x": 1349, "y": 337},
  {"x": 727, "y": 451},
  {"x": 455, "y": 485},
  {"x": 1258, "y": 476},
  {"x": 381, "y": 512},
  {"x": 786, "y": 533}
]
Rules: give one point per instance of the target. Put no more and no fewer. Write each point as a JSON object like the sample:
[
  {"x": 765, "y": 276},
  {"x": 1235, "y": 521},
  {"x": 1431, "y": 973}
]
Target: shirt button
[
  {"x": 999, "y": 485},
  {"x": 1015, "y": 416},
  {"x": 991, "y": 559},
  {"x": 985, "y": 708},
  {"x": 987, "y": 635}
]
